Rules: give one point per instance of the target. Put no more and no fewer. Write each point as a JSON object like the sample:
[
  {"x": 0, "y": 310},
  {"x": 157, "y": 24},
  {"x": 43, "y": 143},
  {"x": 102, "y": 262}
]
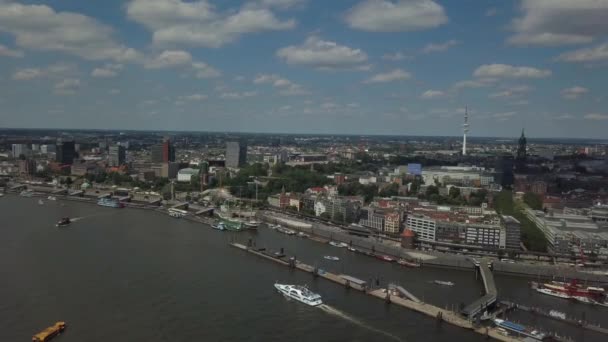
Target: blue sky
[{"x": 307, "y": 66}]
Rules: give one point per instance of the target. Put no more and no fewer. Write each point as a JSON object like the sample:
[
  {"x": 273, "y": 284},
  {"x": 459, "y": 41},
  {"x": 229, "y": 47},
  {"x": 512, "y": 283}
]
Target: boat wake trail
[
  {"x": 76, "y": 219},
  {"x": 338, "y": 313}
]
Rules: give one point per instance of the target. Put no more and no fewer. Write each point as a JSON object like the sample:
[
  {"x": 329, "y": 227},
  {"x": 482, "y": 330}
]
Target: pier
[
  {"x": 489, "y": 298},
  {"x": 410, "y": 302}
]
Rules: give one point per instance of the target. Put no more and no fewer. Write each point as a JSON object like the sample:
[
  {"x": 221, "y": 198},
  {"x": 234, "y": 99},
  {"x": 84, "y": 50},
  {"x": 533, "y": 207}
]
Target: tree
[
  {"x": 432, "y": 190},
  {"x": 454, "y": 192},
  {"x": 325, "y": 215},
  {"x": 69, "y": 181},
  {"x": 533, "y": 200}
]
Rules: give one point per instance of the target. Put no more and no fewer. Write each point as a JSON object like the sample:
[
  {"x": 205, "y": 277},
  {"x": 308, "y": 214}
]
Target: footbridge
[{"x": 491, "y": 293}]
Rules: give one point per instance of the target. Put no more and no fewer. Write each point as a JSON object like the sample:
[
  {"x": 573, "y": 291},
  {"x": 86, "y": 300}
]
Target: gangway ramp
[
  {"x": 489, "y": 298},
  {"x": 405, "y": 293}
]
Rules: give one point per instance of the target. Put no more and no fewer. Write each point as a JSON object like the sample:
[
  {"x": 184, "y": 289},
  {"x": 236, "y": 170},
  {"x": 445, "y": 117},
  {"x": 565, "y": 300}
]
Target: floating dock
[{"x": 354, "y": 283}]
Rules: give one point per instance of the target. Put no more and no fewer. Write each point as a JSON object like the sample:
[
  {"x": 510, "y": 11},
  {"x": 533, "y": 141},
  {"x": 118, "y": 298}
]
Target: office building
[
  {"x": 169, "y": 170},
  {"x": 236, "y": 154},
  {"x": 186, "y": 175},
  {"x": 117, "y": 155},
  {"x": 163, "y": 153},
  {"x": 66, "y": 152},
  {"x": 19, "y": 150}
]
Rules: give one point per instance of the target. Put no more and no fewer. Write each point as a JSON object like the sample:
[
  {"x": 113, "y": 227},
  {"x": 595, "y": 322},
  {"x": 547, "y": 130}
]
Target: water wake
[{"x": 341, "y": 314}]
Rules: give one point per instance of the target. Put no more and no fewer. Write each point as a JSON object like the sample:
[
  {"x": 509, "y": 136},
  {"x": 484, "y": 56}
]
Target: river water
[{"x": 134, "y": 275}]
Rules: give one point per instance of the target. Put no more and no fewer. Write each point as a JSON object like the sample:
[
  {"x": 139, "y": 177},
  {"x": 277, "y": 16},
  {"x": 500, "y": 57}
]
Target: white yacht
[
  {"x": 338, "y": 244},
  {"x": 299, "y": 293}
]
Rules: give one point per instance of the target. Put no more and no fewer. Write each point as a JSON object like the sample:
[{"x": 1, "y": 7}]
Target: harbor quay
[{"x": 384, "y": 294}]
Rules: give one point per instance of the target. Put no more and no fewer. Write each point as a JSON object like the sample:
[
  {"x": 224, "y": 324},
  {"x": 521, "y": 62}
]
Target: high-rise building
[
  {"x": 20, "y": 150},
  {"x": 116, "y": 155},
  {"x": 66, "y": 152},
  {"x": 465, "y": 130},
  {"x": 522, "y": 153},
  {"x": 236, "y": 154},
  {"x": 163, "y": 153}
]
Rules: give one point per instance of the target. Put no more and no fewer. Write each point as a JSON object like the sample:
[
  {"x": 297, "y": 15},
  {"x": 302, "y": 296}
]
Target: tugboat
[{"x": 65, "y": 221}]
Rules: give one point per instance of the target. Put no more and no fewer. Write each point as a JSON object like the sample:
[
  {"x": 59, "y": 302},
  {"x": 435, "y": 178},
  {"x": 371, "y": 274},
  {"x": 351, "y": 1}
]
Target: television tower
[{"x": 465, "y": 130}]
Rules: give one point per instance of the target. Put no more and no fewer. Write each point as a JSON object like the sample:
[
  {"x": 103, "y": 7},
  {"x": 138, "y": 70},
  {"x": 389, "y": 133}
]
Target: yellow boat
[{"x": 50, "y": 332}]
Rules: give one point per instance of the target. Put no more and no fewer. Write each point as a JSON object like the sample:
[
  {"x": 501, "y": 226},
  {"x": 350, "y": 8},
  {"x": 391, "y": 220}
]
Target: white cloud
[
  {"x": 27, "y": 74},
  {"x": 237, "y": 95},
  {"x": 390, "y": 76},
  {"x": 439, "y": 47},
  {"x": 197, "y": 23},
  {"x": 67, "y": 86},
  {"x": 285, "y": 86},
  {"x": 560, "y": 22},
  {"x": 596, "y": 116},
  {"x": 396, "y": 16},
  {"x": 203, "y": 70},
  {"x": 564, "y": 117},
  {"x": 586, "y": 55},
  {"x": 511, "y": 92},
  {"x": 170, "y": 59},
  {"x": 509, "y": 71},
  {"x": 574, "y": 93},
  {"x": 479, "y": 83},
  {"x": 322, "y": 54},
  {"x": 193, "y": 97},
  {"x": 6, "y": 52},
  {"x": 107, "y": 71},
  {"x": 432, "y": 94},
  {"x": 282, "y": 4},
  {"x": 39, "y": 27},
  {"x": 395, "y": 57}
]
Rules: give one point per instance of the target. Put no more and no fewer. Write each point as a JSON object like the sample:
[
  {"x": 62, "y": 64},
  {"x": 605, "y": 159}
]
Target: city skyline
[{"x": 373, "y": 67}]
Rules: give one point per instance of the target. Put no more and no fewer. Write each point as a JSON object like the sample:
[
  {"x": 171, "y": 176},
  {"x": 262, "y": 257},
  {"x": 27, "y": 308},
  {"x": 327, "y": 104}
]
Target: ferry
[
  {"x": 520, "y": 329},
  {"x": 50, "y": 332},
  {"x": 177, "y": 213},
  {"x": 332, "y": 258},
  {"x": 338, "y": 244},
  {"x": 300, "y": 293},
  {"x": 65, "y": 221},
  {"x": 553, "y": 293},
  {"x": 443, "y": 282},
  {"x": 109, "y": 202}
]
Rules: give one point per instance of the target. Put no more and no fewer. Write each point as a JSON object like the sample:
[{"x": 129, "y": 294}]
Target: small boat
[
  {"x": 52, "y": 198},
  {"x": 384, "y": 258},
  {"x": 352, "y": 249},
  {"x": 486, "y": 316},
  {"x": 50, "y": 332},
  {"x": 338, "y": 244},
  {"x": 443, "y": 282},
  {"x": 219, "y": 226},
  {"x": 557, "y": 314},
  {"x": 286, "y": 231},
  {"x": 332, "y": 258},
  {"x": 274, "y": 226},
  {"x": 253, "y": 224},
  {"x": 300, "y": 293},
  {"x": 40, "y": 202},
  {"x": 65, "y": 221},
  {"x": 584, "y": 300},
  {"x": 303, "y": 235},
  {"x": 26, "y": 193},
  {"x": 406, "y": 263}
]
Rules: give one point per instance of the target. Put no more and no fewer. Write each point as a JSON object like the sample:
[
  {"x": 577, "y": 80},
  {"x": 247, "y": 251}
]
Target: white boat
[
  {"x": 331, "y": 257},
  {"x": 274, "y": 226},
  {"x": 584, "y": 300},
  {"x": 286, "y": 231},
  {"x": 253, "y": 224},
  {"x": 557, "y": 314},
  {"x": 219, "y": 226},
  {"x": 40, "y": 202},
  {"x": 338, "y": 244},
  {"x": 550, "y": 292},
  {"x": 300, "y": 293},
  {"x": 52, "y": 198},
  {"x": 443, "y": 282},
  {"x": 303, "y": 235},
  {"x": 352, "y": 249}
]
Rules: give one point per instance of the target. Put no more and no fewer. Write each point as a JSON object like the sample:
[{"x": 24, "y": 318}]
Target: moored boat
[
  {"x": 338, "y": 244},
  {"x": 219, "y": 226},
  {"x": 384, "y": 258},
  {"x": 303, "y": 235},
  {"x": 252, "y": 224},
  {"x": 520, "y": 329},
  {"x": 52, "y": 198},
  {"x": 286, "y": 231},
  {"x": 299, "y": 293},
  {"x": 550, "y": 292},
  {"x": 331, "y": 257},
  {"x": 407, "y": 263}
]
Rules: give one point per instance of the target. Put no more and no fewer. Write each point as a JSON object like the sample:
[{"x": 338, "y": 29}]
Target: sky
[{"x": 402, "y": 67}]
